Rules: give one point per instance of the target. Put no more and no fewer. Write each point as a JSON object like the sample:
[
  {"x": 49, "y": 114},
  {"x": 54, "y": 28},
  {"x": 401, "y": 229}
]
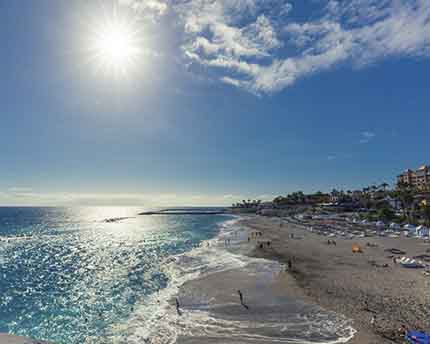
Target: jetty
[{"x": 185, "y": 211}]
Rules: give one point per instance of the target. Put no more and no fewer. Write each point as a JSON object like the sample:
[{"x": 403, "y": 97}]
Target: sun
[{"x": 115, "y": 46}]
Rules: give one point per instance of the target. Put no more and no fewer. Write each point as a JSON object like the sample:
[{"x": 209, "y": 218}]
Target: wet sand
[
  {"x": 350, "y": 284},
  {"x": 213, "y": 313},
  {"x": 211, "y": 310}
]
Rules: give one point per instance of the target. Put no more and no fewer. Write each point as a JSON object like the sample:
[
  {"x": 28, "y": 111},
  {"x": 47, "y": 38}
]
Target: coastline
[{"x": 320, "y": 300}]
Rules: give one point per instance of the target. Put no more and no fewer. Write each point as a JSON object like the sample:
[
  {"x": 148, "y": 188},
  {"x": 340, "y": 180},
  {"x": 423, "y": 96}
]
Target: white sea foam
[{"x": 148, "y": 322}]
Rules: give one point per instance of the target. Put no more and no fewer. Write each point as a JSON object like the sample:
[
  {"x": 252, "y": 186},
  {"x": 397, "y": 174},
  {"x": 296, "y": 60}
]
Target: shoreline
[{"x": 210, "y": 310}]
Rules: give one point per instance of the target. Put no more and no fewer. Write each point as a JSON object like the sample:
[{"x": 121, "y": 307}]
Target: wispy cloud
[
  {"x": 367, "y": 136},
  {"x": 26, "y": 196},
  {"x": 337, "y": 156},
  {"x": 18, "y": 189},
  {"x": 257, "y": 45}
]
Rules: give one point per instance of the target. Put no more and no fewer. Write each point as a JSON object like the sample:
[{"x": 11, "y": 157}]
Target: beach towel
[{"x": 417, "y": 337}]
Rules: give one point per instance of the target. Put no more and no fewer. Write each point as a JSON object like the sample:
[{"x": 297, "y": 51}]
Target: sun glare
[{"x": 115, "y": 46}]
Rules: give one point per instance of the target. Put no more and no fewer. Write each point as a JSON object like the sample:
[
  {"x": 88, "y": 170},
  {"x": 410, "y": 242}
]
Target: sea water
[{"x": 68, "y": 276}]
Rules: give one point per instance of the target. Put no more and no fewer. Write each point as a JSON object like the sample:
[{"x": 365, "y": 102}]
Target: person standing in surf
[
  {"x": 241, "y": 299},
  {"x": 178, "y": 310}
]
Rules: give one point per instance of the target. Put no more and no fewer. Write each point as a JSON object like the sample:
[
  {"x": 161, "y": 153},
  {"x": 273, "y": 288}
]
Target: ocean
[{"x": 68, "y": 276}]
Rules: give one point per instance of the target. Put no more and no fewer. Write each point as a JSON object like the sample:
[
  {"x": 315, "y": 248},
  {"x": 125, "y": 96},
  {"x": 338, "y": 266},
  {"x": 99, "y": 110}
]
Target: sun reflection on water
[{"x": 74, "y": 275}]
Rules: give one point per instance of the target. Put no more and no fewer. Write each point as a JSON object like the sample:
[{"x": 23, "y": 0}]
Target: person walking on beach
[
  {"x": 178, "y": 310},
  {"x": 241, "y": 299},
  {"x": 240, "y": 296}
]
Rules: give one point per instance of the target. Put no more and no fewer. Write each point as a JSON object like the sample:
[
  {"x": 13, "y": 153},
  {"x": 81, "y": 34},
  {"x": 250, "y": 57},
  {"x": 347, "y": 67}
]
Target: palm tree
[
  {"x": 384, "y": 186},
  {"x": 366, "y": 200},
  {"x": 425, "y": 213},
  {"x": 405, "y": 194}
]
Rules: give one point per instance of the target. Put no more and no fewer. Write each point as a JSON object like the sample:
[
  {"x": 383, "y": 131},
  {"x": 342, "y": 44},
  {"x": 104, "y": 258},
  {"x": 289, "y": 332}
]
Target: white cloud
[
  {"x": 367, "y": 136},
  {"x": 211, "y": 32},
  {"x": 147, "y": 8},
  {"x": 256, "y": 44}
]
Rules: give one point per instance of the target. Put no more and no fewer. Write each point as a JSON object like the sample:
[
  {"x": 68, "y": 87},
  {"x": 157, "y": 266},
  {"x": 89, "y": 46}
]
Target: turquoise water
[{"x": 68, "y": 277}]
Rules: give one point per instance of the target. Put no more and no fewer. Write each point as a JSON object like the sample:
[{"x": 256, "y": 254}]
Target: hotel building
[{"x": 419, "y": 178}]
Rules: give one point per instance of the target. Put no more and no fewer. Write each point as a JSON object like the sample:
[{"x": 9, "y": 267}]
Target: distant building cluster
[
  {"x": 408, "y": 201},
  {"x": 419, "y": 178}
]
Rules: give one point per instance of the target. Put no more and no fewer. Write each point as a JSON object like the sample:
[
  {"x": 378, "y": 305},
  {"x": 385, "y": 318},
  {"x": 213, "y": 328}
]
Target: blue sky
[{"x": 226, "y": 100}]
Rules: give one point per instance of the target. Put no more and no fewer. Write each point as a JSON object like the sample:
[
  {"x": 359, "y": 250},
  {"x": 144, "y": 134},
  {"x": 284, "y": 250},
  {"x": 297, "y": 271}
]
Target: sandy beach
[{"x": 360, "y": 285}]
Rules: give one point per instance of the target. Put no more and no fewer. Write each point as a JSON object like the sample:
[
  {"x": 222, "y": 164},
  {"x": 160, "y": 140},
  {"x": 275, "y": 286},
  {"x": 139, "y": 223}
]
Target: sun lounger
[
  {"x": 410, "y": 263},
  {"x": 424, "y": 257},
  {"x": 395, "y": 251}
]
